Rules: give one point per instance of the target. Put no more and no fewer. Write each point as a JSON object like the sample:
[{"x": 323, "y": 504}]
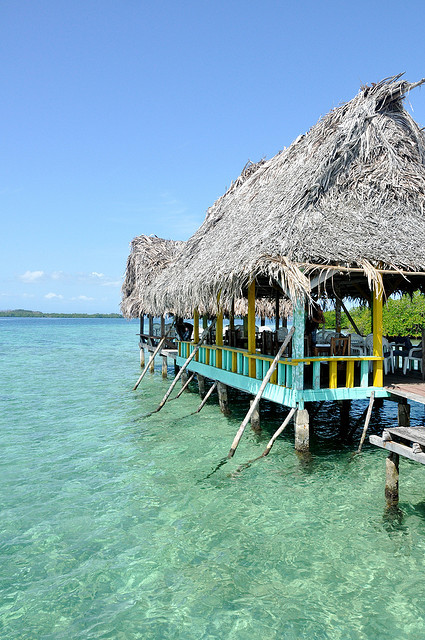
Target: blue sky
[{"x": 130, "y": 117}]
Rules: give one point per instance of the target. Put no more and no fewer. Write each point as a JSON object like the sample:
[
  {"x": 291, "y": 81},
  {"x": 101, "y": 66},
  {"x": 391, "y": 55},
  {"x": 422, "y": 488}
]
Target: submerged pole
[
  {"x": 152, "y": 358},
  {"x": 278, "y": 432},
  {"x": 209, "y": 393},
  {"x": 366, "y": 423}
]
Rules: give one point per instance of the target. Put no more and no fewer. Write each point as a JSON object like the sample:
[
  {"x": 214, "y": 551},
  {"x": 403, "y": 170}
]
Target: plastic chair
[
  {"x": 387, "y": 353},
  {"x": 415, "y": 355}
]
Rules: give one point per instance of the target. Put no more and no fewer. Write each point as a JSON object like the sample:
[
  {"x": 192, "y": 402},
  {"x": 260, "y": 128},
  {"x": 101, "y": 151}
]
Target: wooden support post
[
  {"x": 142, "y": 325},
  {"x": 164, "y": 366},
  {"x": 391, "y": 479},
  {"x": 255, "y": 416},
  {"x": 184, "y": 377},
  {"x": 378, "y": 365},
  {"x": 185, "y": 386},
  {"x": 366, "y": 422},
  {"x": 403, "y": 413},
  {"x": 276, "y": 320},
  {"x": 298, "y": 344},
  {"x": 162, "y": 326},
  {"x": 338, "y": 315},
  {"x": 196, "y": 326},
  {"x": 206, "y": 397},
  {"x": 223, "y": 399},
  {"x": 232, "y": 316},
  {"x": 150, "y": 325},
  {"x": 251, "y": 328},
  {"x": 302, "y": 430},
  {"x": 278, "y": 432},
  {"x": 142, "y": 356},
  {"x": 201, "y": 385},
  {"x": 152, "y": 365}
]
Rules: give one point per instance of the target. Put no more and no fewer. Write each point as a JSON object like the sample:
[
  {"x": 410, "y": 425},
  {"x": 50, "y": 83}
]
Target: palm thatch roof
[
  {"x": 349, "y": 193},
  {"x": 149, "y": 255}
]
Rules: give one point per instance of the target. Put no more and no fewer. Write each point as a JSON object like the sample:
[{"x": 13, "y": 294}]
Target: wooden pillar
[
  {"x": 232, "y": 316},
  {"x": 277, "y": 311},
  {"x": 142, "y": 325},
  {"x": 152, "y": 364},
  {"x": 184, "y": 377},
  {"x": 223, "y": 399},
  {"x": 403, "y": 413},
  {"x": 251, "y": 328},
  {"x": 201, "y": 385},
  {"x": 150, "y": 325},
  {"x": 142, "y": 356},
  {"x": 378, "y": 366},
  {"x": 302, "y": 430},
  {"x": 255, "y": 418},
  {"x": 162, "y": 326},
  {"x": 164, "y": 366},
  {"x": 391, "y": 479},
  {"x": 219, "y": 336},
  {"x": 196, "y": 326},
  {"x": 338, "y": 316},
  {"x": 298, "y": 346}
]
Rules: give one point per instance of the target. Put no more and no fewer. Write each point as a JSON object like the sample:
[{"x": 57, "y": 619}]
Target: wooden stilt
[
  {"x": 164, "y": 366},
  {"x": 184, "y": 378},
  {"x": 278, "y": 432},
  {"x": 255, "y": 417},
  {"x": 391, "y": 479},
  {"x": 266, "y": 380},
  {"x": 152, "y": 358},
  {"x": 403, "y": 413},
  {"x": 204, "y": 401},
  {"x": 152, "y": 365},
  {"x": 142, "y": 357},
  {"x": 302, "y": 430},
  {"x": 201, "y": 385},
  {"x": 184, "y": 367},
  {"x": 366, "y": 424},
  {"x": 223, "y": 399},
  {"x": 185, "y": 386}
]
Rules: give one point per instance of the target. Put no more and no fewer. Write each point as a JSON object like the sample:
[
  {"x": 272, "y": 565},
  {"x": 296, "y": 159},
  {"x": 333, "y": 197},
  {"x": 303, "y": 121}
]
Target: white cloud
[
  {"x": 82, "y": 298},
  {"x": 50, "y": 296},
  {"x": 95, "y": 274},
  {"x": 57, "y": 275},
  {"x": 31, "y": 276},
  {"x": 113, "y": 283}
]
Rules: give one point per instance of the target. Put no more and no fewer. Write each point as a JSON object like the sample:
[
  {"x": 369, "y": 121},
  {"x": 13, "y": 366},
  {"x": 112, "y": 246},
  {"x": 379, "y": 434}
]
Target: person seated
[{"x": 184, "y": 329}]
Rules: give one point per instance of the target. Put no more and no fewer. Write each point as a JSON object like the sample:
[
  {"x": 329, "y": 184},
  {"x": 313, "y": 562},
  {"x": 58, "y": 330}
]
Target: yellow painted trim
[
  {"x": 333, "y": 382},
  {"x": 377, "y": 311},
  {"x": 349, "y": 377},
  {"x": 207, "y": 355},
  {"x": 234, "y": 361},
  {"x": 251, "y": 328}
]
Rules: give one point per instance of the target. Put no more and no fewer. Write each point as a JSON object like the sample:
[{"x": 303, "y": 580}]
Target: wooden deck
[{"x": 411, "y": 387}]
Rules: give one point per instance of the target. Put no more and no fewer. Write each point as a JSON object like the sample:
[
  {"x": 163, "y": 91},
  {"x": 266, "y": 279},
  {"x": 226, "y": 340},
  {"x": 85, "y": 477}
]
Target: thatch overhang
[
  {"x": 348, "y": 195},
  {"x": 149, "y": 256}
]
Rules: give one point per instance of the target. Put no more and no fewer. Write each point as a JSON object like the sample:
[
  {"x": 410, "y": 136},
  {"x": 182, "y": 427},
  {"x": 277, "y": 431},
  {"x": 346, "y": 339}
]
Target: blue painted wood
[
  {"x": 281, "y": 374},
  {"x": 364, "y": 373},
  {"x": 298, "y": 343},
  {"x": 259, "y": 369},
  {"x": 245, "y": 368},
  {"x": 316, "y": 375}
]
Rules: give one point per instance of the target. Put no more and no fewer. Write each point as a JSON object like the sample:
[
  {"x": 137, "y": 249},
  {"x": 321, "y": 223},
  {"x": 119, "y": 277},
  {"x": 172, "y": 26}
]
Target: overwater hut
[{"x": 338, "y": 214}]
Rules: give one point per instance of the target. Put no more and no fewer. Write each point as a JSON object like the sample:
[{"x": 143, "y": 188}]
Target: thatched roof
[
  {"x": 148, "y": 257},
  {"x": 349, "y": 192}
]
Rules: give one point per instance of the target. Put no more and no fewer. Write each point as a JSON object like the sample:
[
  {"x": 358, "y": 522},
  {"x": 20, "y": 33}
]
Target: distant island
[{"x": 24, "y": 313}]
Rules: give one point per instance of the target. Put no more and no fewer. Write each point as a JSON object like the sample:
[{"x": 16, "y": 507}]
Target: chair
[
  {"x": 357, "y": 345},
  {"x": 340, "y": 346},
  {"x": 415, "y": 355},
  {"x": 387, "y": 353}
]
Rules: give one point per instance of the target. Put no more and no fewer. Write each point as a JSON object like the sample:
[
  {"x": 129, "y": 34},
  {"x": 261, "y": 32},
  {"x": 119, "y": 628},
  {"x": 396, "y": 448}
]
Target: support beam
[
  {"x": 391, "y": 479},
  {"x": 142, "y": 324},
  {"x": 251, "y": 327},
  {"x": 338, "y": 315},
  {"x": 201, "y": 385},
  {"x": 378, "y": 366},
  {"x": 162, "y": 326},
  {"x": 150, "y": 325},
  {"x": 403, "y": 413},
  {"x": 298, "y": 345},
  {"x": 142, "y": 357},
  {"x": 276, "y": 320},
  {"x": 164, "y": 366},
  {"x": 302, "y": 430}
]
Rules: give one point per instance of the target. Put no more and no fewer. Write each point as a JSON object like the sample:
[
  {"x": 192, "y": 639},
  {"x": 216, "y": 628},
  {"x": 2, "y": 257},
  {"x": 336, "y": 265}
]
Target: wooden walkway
[{"x": 409, "y": 387}]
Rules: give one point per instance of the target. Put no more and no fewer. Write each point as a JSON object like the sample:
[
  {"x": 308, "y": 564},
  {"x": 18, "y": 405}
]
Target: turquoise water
[{"x": 114, "y": 526}]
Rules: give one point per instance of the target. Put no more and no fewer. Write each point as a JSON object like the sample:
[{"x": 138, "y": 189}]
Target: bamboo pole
[
  {"x": 207, "y": 395},
  {"x": 252, "y": 408},
  {"x": 184, "y": 387},
  {"x": 152, "y": 358},
  {"x": 278, "y": 432},
  {"x": 366, "y": 423},
  {"x": 184, "y": 367}
]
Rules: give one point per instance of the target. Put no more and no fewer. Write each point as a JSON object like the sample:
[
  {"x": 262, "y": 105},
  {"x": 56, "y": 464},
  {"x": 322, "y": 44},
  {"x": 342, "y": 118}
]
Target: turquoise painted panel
[
  {"x": 245, "y": 368},
  {"x": 298, "y": 343},
  {"x": 364, "y": 373},
  {"x": 316, "y": 375},
  {"x": 289, "y": 370},
  {"x": 272, "y": 392},
  {"x": 281, "y": 374},
  {"x": 259, "y": 369},
  {"x": 239, "y": 359},
  {"x": 343, "y": 393}
]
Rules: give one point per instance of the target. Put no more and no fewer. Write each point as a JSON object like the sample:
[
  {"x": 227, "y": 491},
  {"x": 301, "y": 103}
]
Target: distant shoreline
[{"x": 24, "y": 313}]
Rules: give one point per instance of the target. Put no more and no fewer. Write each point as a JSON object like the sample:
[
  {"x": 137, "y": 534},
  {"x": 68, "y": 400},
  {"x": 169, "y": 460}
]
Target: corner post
[
  {"x": 391, "y": 479},
  {"x": 219, "y": 335},
  {"x": 298, "y": 345}
]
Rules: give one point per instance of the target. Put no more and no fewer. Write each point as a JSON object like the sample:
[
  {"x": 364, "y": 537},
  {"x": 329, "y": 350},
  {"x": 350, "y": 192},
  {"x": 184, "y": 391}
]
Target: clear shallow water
[{"x": 113, "y": 526}]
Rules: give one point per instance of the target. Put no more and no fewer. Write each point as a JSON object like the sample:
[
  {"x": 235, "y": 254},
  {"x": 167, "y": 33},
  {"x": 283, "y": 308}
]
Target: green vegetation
[
  {"x": 404, "y": 316},
  {"x": 24, "y": 313}
]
